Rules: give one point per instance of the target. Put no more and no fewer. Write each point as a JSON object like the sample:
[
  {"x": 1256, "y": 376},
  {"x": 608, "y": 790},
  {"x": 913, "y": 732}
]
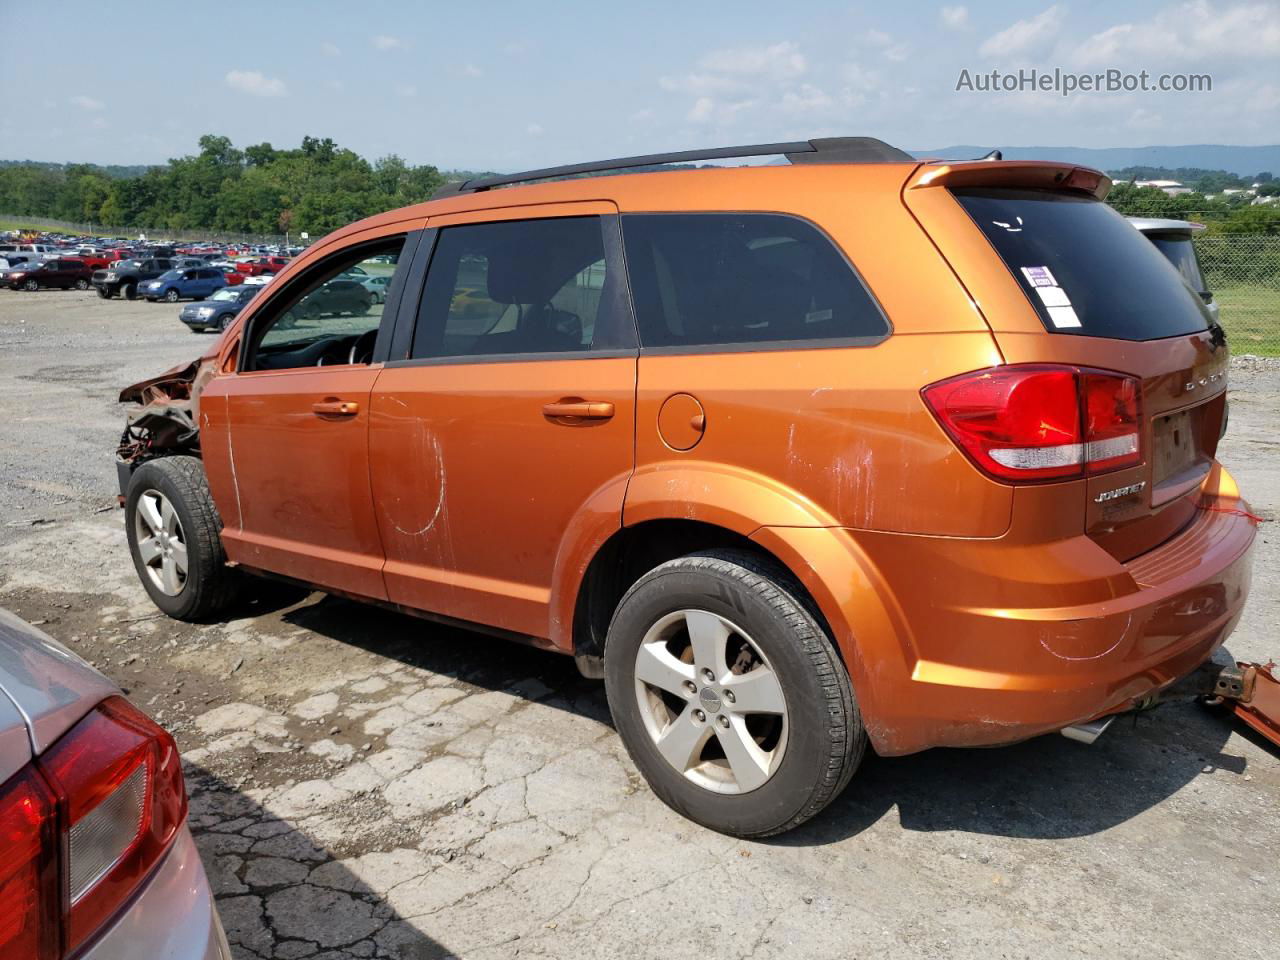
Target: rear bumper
[
  {"x": 980, "y": 642},
  {"x": 173, "y": 916}
]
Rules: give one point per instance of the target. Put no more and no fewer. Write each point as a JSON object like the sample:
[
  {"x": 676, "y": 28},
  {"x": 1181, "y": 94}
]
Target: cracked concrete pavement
[{"x": 365, "y": 784}]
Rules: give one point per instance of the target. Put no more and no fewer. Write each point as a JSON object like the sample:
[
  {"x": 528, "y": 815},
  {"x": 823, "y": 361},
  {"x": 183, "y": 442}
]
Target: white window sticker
[
  {"x": 817, "y": 316},
  {"x": 1053, "y": 296},
  {"x": 1063, "y": 317},
  {"x": 1039, "y": 276}
]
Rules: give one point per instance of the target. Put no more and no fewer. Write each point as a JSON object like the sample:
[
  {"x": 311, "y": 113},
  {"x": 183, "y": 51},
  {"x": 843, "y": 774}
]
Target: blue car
[{"x": 193, "y": 283}]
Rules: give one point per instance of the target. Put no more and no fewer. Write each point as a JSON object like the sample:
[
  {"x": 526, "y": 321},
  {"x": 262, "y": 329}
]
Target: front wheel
[
  {"x": 174, "y": 537},
  {"x": 31, "y": 286},
  {"x": 104, "y": 293},
  {"x": 729, "y": 695},
  {"x": 130, "y": 291},
  {"x": 225, "y": 320},
  {"x": 171, "y": 296}
]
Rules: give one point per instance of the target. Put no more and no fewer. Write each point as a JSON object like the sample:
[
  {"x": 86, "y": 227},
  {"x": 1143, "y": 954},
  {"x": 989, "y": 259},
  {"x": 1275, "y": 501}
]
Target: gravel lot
[{"x": 369, "y": 785}]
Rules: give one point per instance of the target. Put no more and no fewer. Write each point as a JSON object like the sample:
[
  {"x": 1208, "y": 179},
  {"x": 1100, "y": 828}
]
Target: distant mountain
[
  {"x": 1244, "y": 161},
  {"x": 114, "y": 171}
]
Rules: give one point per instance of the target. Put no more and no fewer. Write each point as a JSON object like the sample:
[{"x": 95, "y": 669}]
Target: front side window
[
  {"x": 711, "y": 279},
  {"x": 325, "y": 317},
  {"x": 514, "y": 287}
]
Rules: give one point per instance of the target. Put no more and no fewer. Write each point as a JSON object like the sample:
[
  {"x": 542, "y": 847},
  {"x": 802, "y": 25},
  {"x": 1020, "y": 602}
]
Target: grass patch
[{"x": 1251, "y": 317}]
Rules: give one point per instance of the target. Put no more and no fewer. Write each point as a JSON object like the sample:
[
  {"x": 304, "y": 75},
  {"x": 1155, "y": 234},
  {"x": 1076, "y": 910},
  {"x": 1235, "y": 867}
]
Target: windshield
[
  {"x": 226, "y": 293},
  {"x": 1084, "y": 268}
]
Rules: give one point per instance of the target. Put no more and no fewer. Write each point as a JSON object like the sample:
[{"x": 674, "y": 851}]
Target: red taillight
[
  {"x": 1041, "y": 422},
  {"x": 118, "y": 782},
  {"x": 28, "y": 869}
]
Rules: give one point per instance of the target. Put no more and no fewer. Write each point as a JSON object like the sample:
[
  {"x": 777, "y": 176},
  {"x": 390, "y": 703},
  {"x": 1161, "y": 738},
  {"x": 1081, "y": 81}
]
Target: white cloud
[
  {"x": 87, "y": 103},
  {"x": 534, "y": 130},
  {"x": 1023, "y": 35},
  {"x": 954, "y": 18},
  {"x": 779, "y": 60},
  {"x": 805, "y": 99},
  {"x": 384, "y": 42},
  {"x": 877, "y": 38},
  {"x": 255, "y": 83},
  {"x": 898, "y": 52},
  {"x": 702, "y": 110},
  {"x": 1189, "y": 32},
  {"x": 330, "y": 49},
  {"x": 740, "y": 69},
  {"x": 471, "y": 70}
]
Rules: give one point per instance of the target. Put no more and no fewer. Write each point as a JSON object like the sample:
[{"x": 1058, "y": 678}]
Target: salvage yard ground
[{"x": 368, "y": 785}]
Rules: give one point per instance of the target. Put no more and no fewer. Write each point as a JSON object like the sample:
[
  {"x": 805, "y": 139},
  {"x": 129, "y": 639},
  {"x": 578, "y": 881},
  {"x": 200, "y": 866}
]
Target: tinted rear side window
[
  {"x": 710, "y": 279},
  {"x": 515, "y": 287},
  {"x": 1085, "y": 269}
]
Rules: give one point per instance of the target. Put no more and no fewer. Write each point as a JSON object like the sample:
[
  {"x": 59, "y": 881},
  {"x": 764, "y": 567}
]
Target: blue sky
[{"x": 505, "y": 86}]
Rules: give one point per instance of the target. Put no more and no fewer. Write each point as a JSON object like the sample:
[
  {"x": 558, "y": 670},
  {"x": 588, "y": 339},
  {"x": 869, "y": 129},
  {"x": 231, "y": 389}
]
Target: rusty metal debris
[
  {"x": 1249, "y": 690},
  {"x": 1252, "y": 691}
]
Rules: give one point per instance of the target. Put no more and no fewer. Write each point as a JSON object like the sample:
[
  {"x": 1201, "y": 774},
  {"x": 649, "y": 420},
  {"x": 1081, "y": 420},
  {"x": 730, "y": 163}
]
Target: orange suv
[{"x": 796, "y": 457}]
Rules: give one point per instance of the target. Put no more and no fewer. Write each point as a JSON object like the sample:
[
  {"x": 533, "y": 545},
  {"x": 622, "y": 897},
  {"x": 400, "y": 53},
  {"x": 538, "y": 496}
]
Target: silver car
[
  {"x": 1173, "y": 238},
  {"x": 96, "y": 859}
]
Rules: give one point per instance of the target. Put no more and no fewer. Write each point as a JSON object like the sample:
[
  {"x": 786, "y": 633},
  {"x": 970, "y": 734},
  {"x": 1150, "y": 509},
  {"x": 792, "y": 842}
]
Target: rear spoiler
[{"x": 1027, "y": 174}]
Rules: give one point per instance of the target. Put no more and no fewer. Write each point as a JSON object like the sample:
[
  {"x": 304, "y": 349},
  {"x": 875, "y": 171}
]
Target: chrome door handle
[{"x": 335, "y": 408}]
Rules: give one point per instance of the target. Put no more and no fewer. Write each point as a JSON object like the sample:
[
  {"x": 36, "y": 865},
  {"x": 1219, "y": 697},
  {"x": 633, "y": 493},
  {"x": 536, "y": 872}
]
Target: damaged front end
[{"x": 166, "y": 418}]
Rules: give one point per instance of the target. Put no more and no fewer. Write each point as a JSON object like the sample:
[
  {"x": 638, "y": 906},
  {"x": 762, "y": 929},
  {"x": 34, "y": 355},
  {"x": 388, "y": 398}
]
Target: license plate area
[{"x": 1175, "y": 446}]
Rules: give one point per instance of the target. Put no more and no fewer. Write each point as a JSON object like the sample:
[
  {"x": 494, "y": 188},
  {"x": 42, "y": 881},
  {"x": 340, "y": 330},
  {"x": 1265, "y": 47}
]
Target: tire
[
  {"x": 206, "y": 586},
  {"x": 129, "y": 291},
  {"x": 82, "y": 284},
  {"x": 813, "y": 748},
  {"x": 225, "y": 321},
  {"x": 171, "y": 296},
  {"x": 104, "y": 293},
  {"x": 31, "y": 286}
]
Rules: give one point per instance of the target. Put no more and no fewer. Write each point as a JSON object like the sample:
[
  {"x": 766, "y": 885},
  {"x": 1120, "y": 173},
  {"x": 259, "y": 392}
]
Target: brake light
[
  {"x": 28, "y": 869},
  {"x": 1035, "y": 422},
  {"x": 118, "y": 782}
]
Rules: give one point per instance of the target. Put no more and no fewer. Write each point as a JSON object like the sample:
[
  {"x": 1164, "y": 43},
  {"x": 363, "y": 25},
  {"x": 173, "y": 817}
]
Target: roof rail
[{"x": 825, "y": 150}]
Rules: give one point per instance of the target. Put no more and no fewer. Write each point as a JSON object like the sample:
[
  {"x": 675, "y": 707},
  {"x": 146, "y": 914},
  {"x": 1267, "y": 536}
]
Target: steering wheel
[{"x": 362, "y": 347}]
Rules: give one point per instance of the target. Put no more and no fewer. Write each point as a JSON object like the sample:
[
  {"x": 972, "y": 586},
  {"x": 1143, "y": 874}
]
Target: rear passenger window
[
  {"x": 514, "y": 287},
  {"x": 710, "y": 279}
]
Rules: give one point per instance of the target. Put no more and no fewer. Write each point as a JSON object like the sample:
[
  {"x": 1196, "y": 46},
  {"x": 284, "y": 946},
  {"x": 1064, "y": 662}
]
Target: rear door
[
  {"x": 1073, "y": 282},
  {"x": 508, "y": 420}
]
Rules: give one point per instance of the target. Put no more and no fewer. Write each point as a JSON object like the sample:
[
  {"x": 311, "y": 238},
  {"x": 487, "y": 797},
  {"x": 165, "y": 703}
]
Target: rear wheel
[
  {"x": 174, "y": 536},
  {"x": 82, "y": 284},
  {"x": 729, "y": 695}
]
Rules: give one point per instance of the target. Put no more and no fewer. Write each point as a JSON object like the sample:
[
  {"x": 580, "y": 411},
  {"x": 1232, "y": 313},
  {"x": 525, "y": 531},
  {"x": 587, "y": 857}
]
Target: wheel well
[{"x": 631, "y": 553}]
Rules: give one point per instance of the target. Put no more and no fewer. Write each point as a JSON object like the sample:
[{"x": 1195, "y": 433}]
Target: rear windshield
[
  {"x": 1179, "y": 251},
  {"x": 1085, "y": 269}
]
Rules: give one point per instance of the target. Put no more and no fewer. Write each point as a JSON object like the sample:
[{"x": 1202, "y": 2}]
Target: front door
[
  {"x": 510, "y": 416},
  {"x": 296, "y": 428}
]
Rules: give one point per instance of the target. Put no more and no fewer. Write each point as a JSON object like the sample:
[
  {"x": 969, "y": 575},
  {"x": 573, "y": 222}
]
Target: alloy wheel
[
  {"x": 711, "y": 702},
  {"x": 161, "y": 543}
]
